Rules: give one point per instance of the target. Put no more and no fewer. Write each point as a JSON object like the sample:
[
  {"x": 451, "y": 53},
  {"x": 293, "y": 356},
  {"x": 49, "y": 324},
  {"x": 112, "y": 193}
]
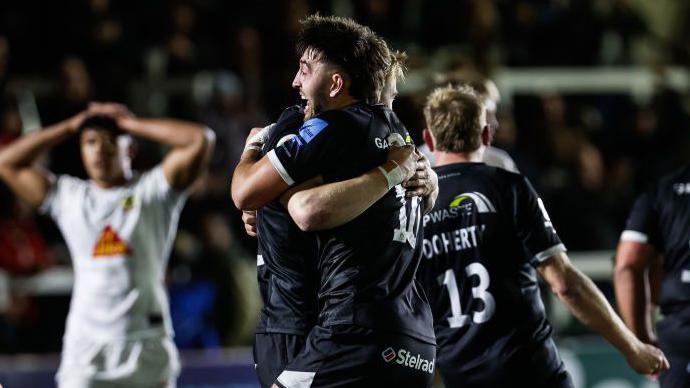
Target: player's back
[
  {"x": 287, "y": 256},
  {"x": 482, "y": 240},
  {"x": 367, "y": 266}
]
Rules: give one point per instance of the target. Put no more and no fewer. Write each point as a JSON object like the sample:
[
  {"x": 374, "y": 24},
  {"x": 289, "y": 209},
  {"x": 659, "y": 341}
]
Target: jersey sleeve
[
  {"x": 642, "y": 225},
  {"x": 154, "y": 187},
  {"x": 533, "y": 225},
  {"x": 319, "y": 143},
  {"x": 60, "y": 197}
]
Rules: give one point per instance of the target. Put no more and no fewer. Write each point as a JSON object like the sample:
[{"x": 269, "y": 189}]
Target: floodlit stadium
[{"x": 184, "y": 201}]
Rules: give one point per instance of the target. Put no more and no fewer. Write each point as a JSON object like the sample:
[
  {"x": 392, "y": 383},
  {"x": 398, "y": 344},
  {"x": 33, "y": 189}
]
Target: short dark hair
[
  {"x": 453, "y": 115},
  {"x": 353, "y": 48},
  {"x": 101, "y": 122}
]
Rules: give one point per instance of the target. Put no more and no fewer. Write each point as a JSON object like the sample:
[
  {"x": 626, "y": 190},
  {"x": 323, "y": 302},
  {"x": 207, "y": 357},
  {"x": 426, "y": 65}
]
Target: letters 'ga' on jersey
[
  {"x": 119, "y": 240},
  {"x": 482, "y": 241},
  {"x": 286, "y": 264},
  {"x": 661, "y": 217},
  {"x": 367, "y": 266}
]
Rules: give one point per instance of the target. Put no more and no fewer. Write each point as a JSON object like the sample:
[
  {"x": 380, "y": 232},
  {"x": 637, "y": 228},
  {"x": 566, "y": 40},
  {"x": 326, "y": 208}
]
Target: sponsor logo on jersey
[
  {"x": 405, "y": 358},
  {"x": 128, "y": 203},
  {"x": 681, "y": 188},
  {"x": 110, "y": 244},
  {"x": 461, "y": 204},
  {"x": 479, "y": 200},
  {"x": 285, "y": 138},
  {"x": 388, "y": 355},
  {"x": 311, "y": 128},
  {"x": 685, "y": 276},
  {"x": 395, "y": 139}
]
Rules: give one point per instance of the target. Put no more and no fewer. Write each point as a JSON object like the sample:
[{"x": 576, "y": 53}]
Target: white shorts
[{"x": 146, "y": 362}]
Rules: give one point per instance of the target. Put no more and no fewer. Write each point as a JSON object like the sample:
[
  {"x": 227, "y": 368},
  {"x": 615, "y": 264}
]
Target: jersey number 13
[{"x": 479, "y": 291}]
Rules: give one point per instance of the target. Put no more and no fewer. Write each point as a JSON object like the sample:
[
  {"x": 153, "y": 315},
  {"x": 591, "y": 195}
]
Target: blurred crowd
[{"x": 230, "y": 65}]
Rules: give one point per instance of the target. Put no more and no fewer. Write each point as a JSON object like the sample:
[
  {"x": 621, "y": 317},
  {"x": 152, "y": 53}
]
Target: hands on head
[{"x": 116, "y": 111}]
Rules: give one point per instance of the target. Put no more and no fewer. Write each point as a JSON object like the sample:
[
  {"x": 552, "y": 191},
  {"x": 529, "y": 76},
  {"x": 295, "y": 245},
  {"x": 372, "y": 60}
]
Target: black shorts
[
  {"x": 272, "y": 352},
  {"x": 535, "y": 365},
  {"x": 679, "y": 374},
  {"x": 360, "y": 357}
]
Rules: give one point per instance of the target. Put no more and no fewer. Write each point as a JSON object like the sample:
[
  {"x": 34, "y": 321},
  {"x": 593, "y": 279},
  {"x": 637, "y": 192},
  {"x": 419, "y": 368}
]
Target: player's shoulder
[
  {"x": 671, "y": 185},
  {"x": 480, "y": 171},
  {"x": 352, "y": 112},
  {"x": 387, "y": 114},
  {"x": 332, "y": 121},
  {"x": 70, "y": 183},
  {"x": 291, "y": 113},
  {"x": 499, "y": 158}
]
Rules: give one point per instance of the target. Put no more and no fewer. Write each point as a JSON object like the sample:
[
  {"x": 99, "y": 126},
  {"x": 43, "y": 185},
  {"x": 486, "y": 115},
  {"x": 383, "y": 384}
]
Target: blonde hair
[
  {"x": 456, "y": 117},
  {"x": 398, "y": 67}
]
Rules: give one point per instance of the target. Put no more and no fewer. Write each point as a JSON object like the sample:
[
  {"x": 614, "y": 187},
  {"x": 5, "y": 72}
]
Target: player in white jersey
[{"x": 119, "y": 228}]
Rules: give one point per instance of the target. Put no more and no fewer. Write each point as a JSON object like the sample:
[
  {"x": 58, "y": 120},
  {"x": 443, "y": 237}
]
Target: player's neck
[
  {"x": 442, "y": 158},
  {"x": 341, "y": 101},
  {"x": 102, "y": 184}
]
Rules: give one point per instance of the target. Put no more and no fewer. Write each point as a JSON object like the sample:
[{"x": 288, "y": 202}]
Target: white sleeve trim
[
  {"x": 634, "y": 236},
  {"x": 259, "y": 260},
  {"x": 273, "y": 158},
  {"x": 294, "y": 379},
  {"x": 545, "y": 254}
]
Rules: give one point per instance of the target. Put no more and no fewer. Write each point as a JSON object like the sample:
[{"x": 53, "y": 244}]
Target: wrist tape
[
  {"x": 394, "y": 177},
  {"x": 257, "y": 141}
]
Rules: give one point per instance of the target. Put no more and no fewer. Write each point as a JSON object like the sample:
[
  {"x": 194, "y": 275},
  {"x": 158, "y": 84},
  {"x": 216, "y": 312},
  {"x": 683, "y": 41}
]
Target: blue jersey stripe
[{"x": 311, "y": 128}]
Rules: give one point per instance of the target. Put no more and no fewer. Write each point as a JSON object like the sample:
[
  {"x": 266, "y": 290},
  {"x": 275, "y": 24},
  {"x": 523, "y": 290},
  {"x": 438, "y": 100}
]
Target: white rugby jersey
[{"x": 119, "y": 240}]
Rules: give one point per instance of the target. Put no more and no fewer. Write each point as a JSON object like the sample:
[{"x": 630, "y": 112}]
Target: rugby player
[
  {"x": 656, "y": 236},
  {"x": 484, "y": 243},
  {"x": 369, "y": 303},
  {"x": 487, "y": 92},
  {"x": 119, "y": 227}
]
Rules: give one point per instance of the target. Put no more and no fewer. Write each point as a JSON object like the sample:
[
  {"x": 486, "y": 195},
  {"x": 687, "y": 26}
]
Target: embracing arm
[
  {"x": 255, "y": 182},
  {"x": 589, "y": 305},
  {"x": 633, "y": 294},
  {"x": 314, "y": 207},
  {"x": 29, "y": 182}
]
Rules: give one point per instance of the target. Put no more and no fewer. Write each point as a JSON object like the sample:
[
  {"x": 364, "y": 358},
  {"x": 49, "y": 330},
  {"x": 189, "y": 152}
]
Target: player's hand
[
  {"x": 74, "y": 122},
  {"x": 647, "y": 359},
  {"x": 257, "y": 137},
  {"x": 120, "y": 113},
  {"x": 405, "y": 159},
  {"x": 424, "y": 181},
  {"x": 113, "y": 110},
  {"x": 249, "y": 219}
]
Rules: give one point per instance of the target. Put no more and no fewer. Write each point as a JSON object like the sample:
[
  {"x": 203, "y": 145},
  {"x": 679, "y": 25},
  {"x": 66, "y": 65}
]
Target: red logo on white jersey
[{"x": 109, "y": 244}]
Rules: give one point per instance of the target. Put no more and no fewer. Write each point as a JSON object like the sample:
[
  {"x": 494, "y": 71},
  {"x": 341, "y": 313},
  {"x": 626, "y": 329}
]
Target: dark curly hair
[{"x": 353, "y": 48}]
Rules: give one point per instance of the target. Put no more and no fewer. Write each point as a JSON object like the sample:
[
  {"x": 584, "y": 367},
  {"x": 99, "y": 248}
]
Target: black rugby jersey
[
  {"x": 286, "y": 264},
  {"x": 367, "y": 266},
  {"x": 482, "y": 240},
  {"x": 661, "y": 217}
]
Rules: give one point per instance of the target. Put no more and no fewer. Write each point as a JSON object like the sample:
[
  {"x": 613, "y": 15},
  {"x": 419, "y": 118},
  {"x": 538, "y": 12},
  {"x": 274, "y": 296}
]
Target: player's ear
[
  {"x": 428, "y": 139},
  {"x": 487, "y": 137},
  {"x": 337, "y": 84}
]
